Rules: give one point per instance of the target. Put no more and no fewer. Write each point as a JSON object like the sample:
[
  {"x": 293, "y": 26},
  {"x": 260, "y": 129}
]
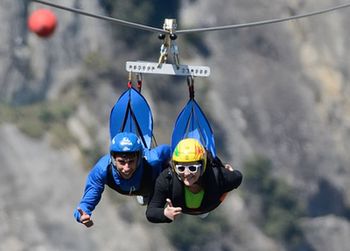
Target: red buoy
[{"x": 42, "y": 22}]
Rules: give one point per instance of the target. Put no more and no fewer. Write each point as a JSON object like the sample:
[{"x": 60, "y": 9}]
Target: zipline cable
[
  {"x": 115, "y": 20},
  {"x": 264, "y": 22},
  {"x": 217, "y": 28}
]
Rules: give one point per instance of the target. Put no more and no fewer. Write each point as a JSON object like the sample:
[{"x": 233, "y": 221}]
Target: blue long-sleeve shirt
[{"x": 157, "y": 158}]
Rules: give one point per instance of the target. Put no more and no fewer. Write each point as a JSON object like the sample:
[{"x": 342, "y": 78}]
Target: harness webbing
[
  {"x": 193, "y": 117},
  {"x": 129, "y": 110}
]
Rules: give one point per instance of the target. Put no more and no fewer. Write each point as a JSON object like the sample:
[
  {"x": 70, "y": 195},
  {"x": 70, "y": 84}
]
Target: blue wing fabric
[
  {"x": 192, "y": 123},
  {"x": 131, "y": 113}
]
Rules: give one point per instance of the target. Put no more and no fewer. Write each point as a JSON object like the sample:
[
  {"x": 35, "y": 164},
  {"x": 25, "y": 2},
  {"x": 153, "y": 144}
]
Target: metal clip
[{"x": 169, "y": 42}]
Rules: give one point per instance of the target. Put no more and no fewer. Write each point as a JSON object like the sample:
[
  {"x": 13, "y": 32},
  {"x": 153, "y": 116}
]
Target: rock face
[
  {"x": 34, "y": 68},
  {"x": 327, "y": 233},
  {"x": 281, "y": 90}
]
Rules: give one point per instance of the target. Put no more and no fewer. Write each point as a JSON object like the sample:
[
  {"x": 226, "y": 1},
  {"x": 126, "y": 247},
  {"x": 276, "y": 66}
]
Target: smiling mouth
[
  {"x": 189, "y": 178},
  {"x": 127, "y": 172}
]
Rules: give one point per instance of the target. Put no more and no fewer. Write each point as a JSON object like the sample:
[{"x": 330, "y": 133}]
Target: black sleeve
[
  {"x": 155, "y": 207},
  {"x": 232, "y": 180}
]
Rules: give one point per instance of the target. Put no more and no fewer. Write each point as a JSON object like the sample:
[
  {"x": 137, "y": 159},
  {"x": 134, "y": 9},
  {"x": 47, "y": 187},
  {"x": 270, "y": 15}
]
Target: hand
[
  {"x": 85, "y": 218},
  {"x": 170, "y": 211},
  {"x": 229, "y": 167}
]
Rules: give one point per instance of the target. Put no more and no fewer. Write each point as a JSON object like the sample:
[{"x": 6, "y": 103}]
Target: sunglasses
[{"x": 191, "y": 168}]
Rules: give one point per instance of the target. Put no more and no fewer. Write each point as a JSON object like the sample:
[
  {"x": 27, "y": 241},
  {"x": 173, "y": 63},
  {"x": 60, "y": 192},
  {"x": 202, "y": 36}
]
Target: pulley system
[{"x": 168, "y": 49}]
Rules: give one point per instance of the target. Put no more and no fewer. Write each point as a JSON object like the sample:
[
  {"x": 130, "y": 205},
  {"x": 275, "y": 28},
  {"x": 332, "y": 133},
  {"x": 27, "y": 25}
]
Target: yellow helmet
[{"x": 190, "y": 150}]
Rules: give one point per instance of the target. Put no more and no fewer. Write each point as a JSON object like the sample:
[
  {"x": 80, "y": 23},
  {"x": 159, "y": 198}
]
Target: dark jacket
[{"x": 216, "y": 182}]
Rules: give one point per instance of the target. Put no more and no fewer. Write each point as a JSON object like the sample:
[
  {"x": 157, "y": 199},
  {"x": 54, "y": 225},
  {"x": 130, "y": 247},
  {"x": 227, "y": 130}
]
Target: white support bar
[{"x": 168, "y": 69}]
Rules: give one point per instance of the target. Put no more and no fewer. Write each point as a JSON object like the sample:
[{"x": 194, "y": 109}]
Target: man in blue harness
[{"x": 128, "y": 169}]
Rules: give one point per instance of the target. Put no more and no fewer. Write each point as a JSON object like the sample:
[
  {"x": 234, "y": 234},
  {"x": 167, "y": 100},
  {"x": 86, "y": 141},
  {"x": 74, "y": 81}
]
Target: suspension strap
[
  {"x": 130, "y": 81},
  {"x": 138, "y": 126},
  {"x": 133, "y": 117},
  {"x": 139, "y": 82},
  {"x": 154, "y": 141},
  {"x": 190, "y": 84}
]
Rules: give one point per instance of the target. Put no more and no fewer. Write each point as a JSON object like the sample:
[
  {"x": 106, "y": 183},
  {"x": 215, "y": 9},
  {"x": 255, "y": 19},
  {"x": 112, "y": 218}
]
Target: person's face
[
  {"x": 126, "y": 166},
  {"x": 188, "y": 172}
]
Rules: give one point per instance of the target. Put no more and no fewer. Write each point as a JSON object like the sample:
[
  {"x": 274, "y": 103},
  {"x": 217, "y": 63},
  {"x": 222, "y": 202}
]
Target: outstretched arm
[
  {"x": 232, "y": 178},
  {"x": 92, "y": 193},
  {"x": 156, "y": 208}
]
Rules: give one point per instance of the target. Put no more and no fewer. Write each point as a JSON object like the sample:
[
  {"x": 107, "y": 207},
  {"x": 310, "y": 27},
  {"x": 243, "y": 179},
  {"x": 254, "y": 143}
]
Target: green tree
[{"x": 280, "y": 209}]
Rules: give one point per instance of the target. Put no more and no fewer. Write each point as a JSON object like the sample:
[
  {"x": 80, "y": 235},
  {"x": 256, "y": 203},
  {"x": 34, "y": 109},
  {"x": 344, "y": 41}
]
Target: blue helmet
[{"x": 126, "y": 142}]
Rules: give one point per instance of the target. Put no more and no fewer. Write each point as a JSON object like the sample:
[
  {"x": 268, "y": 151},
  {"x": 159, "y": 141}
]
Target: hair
[{"x": 125, "y": 154}]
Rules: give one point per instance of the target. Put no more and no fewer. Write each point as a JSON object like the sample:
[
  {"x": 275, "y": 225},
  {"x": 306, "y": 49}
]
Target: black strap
[
  {"x": 137, "y": 126},
  {"x": 190, "y": 84},
  {"x": 128, "y": 109}
]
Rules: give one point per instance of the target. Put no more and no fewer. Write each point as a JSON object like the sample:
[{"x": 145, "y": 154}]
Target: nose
[
  {"x": 127, "y": 165},
  {"x": 187, "y": 172}
]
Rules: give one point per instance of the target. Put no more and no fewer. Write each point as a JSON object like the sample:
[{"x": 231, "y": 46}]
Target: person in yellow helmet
[{"x": 195, "y": 183}]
